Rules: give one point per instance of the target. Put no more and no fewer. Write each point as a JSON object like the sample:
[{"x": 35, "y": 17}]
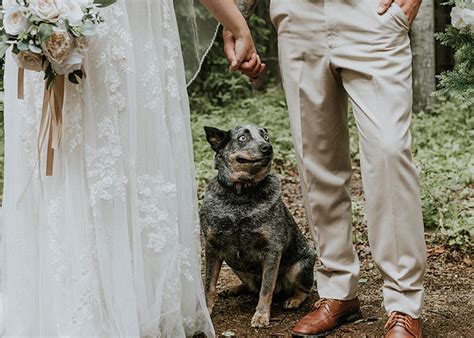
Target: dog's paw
[
  {"x": 234, "y": 291},
  {"x": 292, "y": 303},
  {"x": 261, "y": 319}
]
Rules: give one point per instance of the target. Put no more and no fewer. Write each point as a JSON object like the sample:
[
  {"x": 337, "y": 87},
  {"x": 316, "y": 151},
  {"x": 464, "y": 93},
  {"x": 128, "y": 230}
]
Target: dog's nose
[{"x": 266, "y": 148}]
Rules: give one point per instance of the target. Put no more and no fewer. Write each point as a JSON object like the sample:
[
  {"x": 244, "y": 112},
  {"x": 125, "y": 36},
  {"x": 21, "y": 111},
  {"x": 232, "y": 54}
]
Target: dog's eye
[
  {"x": 266, "y": 138},
  {"x": 242, "y": 138}
]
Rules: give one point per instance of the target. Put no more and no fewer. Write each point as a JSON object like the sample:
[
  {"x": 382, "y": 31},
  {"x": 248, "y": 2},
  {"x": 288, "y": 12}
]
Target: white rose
[
  {"x": 14, "y": 22},
  {"x": 72, "y": 11},
  {"x": 6, "y": 4},
  {"x": 462, "y": 17},
  {"x": 47, "y": 10}
]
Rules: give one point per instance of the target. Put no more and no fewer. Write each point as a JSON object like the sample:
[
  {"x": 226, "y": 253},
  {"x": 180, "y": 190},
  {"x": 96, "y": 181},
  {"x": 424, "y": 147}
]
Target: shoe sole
[{"x": 351, "y": 318}]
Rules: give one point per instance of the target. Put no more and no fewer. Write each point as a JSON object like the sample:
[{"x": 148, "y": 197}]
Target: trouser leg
[
  {"x": 318, "y": 114},
  {"x": 376, "y": 73}
]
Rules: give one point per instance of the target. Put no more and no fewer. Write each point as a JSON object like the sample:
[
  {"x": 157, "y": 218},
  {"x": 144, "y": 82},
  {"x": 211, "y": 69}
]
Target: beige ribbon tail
[
  {"x": 50, "y": 126},
  {"x": 21, "y": 83},
  {"x": 50, "y": 152}
]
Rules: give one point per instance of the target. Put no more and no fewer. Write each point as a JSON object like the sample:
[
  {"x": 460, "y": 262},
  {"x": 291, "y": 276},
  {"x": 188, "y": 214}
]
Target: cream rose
[
  {"x": 14, "y": 22},
  {"x": 64, "y": 54},
  {"x": 30, "y": 61},
  {"x": 72, "y": 11},
  {"x": 6, "y": 4},
  {"x": 47, "y": 10},
  {"x": 58, "y": 47}
]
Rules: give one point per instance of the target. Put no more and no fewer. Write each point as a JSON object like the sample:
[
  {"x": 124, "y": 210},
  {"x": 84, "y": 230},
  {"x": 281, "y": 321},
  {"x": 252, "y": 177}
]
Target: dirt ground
[{"x": 449, "y": 302}]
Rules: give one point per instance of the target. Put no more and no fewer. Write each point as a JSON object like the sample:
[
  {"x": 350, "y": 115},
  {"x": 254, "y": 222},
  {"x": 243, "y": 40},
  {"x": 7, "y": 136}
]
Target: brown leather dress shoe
[
  {"x": 327, "y": 316},
  {"x": 401, "y": 325}
]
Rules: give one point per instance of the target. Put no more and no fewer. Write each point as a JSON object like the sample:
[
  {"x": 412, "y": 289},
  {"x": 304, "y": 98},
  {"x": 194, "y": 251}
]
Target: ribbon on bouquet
[{"x": 50, "y": 127}]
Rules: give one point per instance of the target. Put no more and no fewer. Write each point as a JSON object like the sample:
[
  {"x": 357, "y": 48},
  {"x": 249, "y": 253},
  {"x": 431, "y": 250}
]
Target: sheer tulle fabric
[{"x": 109, "y": 245}]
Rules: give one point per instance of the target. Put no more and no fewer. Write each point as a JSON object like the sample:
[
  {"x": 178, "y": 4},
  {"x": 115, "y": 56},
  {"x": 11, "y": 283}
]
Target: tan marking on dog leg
[
  {"x": 235, "y": 291},
  {"x": 250, "y": 280},
  {"x": 293, "y": 272},
  {"x": 213, "y": 268},
  {"x": 261, "y": 318},
  {"x": 294, "y": 302},
  {"x": 265, "y": 231}
]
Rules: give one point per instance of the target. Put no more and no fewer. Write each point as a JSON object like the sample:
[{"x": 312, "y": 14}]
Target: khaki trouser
[{"x": 331, "y": 50}]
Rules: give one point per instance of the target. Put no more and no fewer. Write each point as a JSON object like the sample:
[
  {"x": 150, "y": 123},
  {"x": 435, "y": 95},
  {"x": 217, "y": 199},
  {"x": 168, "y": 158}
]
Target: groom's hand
[
  {"x": 242, "y": 56},
  {"x": 409, "y": 7}
]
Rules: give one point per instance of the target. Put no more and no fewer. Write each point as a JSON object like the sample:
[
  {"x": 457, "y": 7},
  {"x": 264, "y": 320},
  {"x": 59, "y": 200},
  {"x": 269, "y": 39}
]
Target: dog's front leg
[
  {"x": 213, "y": 268},
  {"x": 271, "y": 264}
]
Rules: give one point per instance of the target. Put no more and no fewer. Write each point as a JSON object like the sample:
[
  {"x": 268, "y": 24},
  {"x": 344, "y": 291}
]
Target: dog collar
[{"x": 238, "y": 187}]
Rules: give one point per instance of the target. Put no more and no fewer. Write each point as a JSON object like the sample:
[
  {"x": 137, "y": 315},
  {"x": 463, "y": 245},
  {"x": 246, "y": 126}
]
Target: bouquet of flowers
[{"x": 50, "y": 36}]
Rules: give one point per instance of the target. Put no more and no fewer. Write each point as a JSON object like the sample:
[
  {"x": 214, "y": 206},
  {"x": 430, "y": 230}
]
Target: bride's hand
[
  {"x": 239, "y": 46},
  {"x": 241, "y": 54}
]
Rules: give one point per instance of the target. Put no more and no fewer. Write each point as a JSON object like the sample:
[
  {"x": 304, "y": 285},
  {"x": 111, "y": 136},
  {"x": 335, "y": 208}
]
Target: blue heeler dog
[{"x": 246, "y": 224}]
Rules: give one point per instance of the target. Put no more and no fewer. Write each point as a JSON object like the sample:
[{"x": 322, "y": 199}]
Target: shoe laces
[
  {"x": 321, "y": 302},
  {"x": 400, "y": 319}
]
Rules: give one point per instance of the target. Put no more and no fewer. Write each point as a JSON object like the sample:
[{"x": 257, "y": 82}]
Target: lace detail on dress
[
  {"x": 186, "y": 263},
  {"x": 153, "y": 89},
  {"x": 72, "y": 127},
  {"x": 30, "y": 111},
  {"x": 155, "y": 219},
  {"x": 85, "y": 281},
  {"x": 102, "y": 164},
  {"x": 56, "y": 245},
  {"x": 172, "y": 57}
]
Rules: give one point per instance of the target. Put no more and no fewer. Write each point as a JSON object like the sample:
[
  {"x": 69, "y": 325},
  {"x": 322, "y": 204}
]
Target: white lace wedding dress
[{"x": 109, "y": 245}]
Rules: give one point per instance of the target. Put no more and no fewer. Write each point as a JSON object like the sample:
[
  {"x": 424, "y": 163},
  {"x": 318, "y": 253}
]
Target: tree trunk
[{"x": 424, "y": 63}]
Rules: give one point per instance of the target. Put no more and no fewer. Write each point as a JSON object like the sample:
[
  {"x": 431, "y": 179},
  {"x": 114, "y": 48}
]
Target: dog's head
[{"x": 243, "y": 154}]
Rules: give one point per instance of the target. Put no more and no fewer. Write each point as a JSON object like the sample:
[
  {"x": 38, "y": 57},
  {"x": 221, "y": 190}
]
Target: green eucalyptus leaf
[
  {"x": 45, "y": 31},
  {"x": 104, "y": 3},
  {"x": 23, "y": 46}
]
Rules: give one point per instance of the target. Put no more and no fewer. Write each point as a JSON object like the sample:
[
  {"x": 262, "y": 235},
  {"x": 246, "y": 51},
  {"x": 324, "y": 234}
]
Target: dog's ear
[{"x": 216, "y": 137}]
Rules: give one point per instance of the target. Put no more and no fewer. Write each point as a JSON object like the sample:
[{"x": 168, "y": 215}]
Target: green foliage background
[
  {"x": 458, "y": 82},
  {"x": 442, "y": 137}
]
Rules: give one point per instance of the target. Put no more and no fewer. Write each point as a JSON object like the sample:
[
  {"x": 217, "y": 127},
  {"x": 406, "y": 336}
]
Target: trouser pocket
[{"x": 399, "y": 16}]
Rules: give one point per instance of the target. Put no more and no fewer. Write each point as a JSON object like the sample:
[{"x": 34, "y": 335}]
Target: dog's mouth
[{"x": 262, "y": 160}]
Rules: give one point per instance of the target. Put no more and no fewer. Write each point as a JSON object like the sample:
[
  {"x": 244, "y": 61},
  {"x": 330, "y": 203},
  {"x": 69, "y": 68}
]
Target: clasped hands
[{"x": 242, "y": 55}]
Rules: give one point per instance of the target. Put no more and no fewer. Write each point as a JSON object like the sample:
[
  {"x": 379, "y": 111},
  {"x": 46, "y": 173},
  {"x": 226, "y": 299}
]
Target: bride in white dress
[{"x": 109, "y": 245}]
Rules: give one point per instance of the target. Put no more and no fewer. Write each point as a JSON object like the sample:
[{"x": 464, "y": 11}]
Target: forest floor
[{"x": 449, "y": 302}]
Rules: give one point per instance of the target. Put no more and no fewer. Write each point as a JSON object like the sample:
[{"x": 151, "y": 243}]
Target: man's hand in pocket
[{"x": 409, "y": 7}]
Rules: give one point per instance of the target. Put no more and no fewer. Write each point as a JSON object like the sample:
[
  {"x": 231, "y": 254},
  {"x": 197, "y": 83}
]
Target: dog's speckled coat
[{"x": 246, "y": 224}]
